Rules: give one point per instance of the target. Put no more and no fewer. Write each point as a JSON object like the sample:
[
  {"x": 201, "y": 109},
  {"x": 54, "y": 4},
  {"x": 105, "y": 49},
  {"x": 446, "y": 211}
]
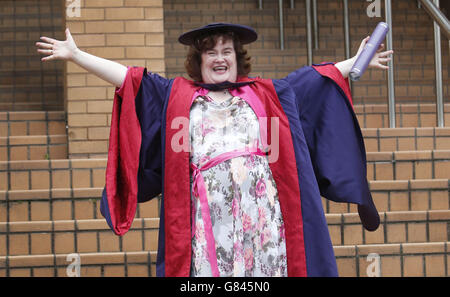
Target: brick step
[
  {"x": 407, "y": 114},
  {"x": 400, "y": 195},
  {"x": 39, "y": 147},
  {"x": 396, "y": 260},
  {"x": 15, "y": 123},
  {"x": 395, "y": 227},
  {"x": 83, "y": 236},
  {"x": 92, "y": 264},
  {"x": 52, "y": 174},
  {"x": 84, "y": 173},
  {"x": 405, "y": 165},
  {"x": 84, "y": 203},
  {"x": 406, "y": 139},
  {"x": 61, "y": 204},
  {"x": 77, "y": 236}
]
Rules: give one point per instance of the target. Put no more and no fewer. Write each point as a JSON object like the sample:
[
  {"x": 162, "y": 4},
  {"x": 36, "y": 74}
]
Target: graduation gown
[{"x": 321, "y": 153}]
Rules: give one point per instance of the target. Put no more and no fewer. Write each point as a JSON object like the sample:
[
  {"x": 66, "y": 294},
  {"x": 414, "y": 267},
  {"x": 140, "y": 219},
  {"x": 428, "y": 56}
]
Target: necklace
[{"x": 220, "y": 96}]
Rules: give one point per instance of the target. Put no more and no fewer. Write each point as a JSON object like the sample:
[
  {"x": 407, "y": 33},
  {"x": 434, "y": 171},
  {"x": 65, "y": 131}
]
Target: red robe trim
[{"x": 123, "y": 154}]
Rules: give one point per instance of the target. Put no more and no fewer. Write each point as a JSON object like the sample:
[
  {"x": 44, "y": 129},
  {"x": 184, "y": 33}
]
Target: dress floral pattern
[{"x": 242, "y": 196}]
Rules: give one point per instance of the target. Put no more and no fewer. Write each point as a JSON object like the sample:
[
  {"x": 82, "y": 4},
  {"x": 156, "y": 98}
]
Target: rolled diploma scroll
[{"x": 369, "y": 51}]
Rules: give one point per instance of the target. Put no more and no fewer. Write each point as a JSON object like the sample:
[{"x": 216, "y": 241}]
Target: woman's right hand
[
  {"x": 54, "y": 49},
  {"x": 67, "y": 50}
]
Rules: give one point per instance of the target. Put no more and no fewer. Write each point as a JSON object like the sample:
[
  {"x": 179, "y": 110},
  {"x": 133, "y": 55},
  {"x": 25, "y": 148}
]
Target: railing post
[
  {"x": 391, "y": 87},
  {"x": 280, "y": 10},
  {"x": 347, "y": 36},
  {"x": 308, "y": 31},
  {"x": 316, "y": 27},
  {"x": 438, "y": 65}
]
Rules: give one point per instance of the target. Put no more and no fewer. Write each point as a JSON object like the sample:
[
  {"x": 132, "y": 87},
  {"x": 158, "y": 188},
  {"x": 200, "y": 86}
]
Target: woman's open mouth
[{"x": 220, "y": 69}]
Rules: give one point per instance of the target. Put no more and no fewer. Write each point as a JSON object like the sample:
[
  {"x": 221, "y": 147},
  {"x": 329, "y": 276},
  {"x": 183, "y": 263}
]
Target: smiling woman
[
  {"x": 198, "y": 53},
  {"x": 229, "y": 207}
]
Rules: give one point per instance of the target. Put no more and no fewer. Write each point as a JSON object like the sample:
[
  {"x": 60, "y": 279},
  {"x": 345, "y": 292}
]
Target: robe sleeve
[
  {"x": 134, "y": 166},
  {"x": 334, "y": 138}
]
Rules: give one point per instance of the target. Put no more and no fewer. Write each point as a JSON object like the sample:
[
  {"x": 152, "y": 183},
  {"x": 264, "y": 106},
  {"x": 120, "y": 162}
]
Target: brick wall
[
  {"x": 126, "y": 31},
  {"x": 27, "y": 84}
]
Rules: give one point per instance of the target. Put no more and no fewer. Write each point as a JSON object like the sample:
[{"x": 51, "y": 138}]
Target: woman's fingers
[
  {"x": 45, "y": 51},
  {"x": 383, "y": 66},
  {"x": 68, "y": 35},
  {"x": 48, "y": 58},
  {"x": 48, "y": 39},
  {"x": 44, "y": 45},
  {"x": 384, "y": 59},
  {"x": 380, "y": 48}
]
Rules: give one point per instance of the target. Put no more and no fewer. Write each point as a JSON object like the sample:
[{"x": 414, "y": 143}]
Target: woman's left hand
[{"x": 379, "y": 58}]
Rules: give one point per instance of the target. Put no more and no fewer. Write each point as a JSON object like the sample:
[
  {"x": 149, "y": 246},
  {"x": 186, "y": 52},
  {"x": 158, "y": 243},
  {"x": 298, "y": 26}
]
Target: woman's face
[{"x": 219, "y": 64}]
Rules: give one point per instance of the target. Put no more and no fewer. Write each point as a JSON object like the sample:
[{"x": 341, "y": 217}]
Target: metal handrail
[
  {"x": 436, "y": 14},
  {"x": 316, "y": 27},
  {"x": 308, "y": 30},
  {"x": 280, "y": 11},
  {"x": 347, "y": 36},
  {"x": 440, "y": 22},
  {"x": 391, "y": 86}
]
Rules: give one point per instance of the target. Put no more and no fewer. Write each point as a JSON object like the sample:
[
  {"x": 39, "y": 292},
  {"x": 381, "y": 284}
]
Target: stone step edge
[
  {"x": 54, "y": 164},
  {"x": 73, "y": 225},
  {"x": 21, "y": 140},
  {"x": 372, "y": 132},
  {"x": 96, "y": 192},
  {"x": 346, "y": 251},
  {"x": 407, "y": 155},
  {"x": 153, "y": 223},
  {"x": 51, "y": 194},
  {"x": 406, "y": 132},
  {"x": 40, "y": 115},
  {"x": 86, "y": 259},
  {"x": 415, "y": 155},
  {"x": 366, "y": 132}
]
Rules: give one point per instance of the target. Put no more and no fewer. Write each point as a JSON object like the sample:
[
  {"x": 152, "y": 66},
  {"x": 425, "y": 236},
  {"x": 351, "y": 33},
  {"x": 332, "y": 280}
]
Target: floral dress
[{"x": 242, "y": 196}]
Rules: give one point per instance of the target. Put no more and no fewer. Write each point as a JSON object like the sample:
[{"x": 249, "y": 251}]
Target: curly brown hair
[{"x": 204, "y": 43}]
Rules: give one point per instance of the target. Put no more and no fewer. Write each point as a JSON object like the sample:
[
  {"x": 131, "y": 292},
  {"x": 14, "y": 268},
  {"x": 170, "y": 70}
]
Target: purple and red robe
[{"x": 321, "y": 153}]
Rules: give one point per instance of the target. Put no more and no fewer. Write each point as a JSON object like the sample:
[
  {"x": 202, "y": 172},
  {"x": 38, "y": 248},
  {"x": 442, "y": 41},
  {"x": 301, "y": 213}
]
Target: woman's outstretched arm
[
  {"x": 377, "y": 61},
  {"x": 67, "y": 50}
]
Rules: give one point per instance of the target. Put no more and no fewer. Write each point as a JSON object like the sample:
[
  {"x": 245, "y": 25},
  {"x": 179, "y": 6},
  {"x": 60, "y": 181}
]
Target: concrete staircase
[{"x": 49, "y": 204}]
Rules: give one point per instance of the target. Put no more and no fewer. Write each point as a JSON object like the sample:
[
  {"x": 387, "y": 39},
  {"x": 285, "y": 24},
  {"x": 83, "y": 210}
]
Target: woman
[{"x": 241, "y": 162}]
